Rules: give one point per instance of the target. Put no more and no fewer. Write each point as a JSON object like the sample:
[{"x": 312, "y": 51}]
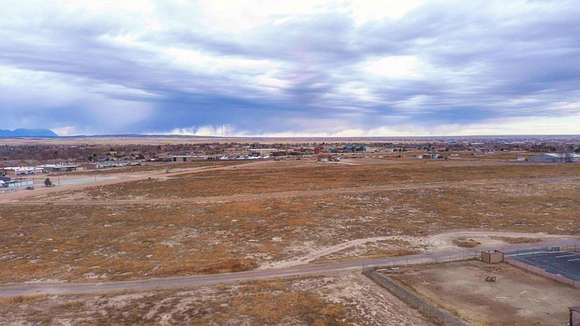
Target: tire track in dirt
[
  {"x": 434, "y": 243},
  {"x": 19, "y": 196},
  {"x": 295, "y": 194}
]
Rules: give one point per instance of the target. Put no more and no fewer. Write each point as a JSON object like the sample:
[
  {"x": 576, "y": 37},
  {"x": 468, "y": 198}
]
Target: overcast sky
[{"x": 340, "y": 68}]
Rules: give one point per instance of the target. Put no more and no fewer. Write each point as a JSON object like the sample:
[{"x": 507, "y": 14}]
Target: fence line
[
  {"x": 447, "y": 257},
  {"x": 432, "y": 312},
  {"x": 443, "y": 317},
  {"x": 541, "y": 272}
]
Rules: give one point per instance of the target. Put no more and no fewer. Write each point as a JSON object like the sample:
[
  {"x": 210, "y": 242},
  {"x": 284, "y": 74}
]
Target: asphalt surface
[
  {"x": 561, "y": 262},
  {"x": 10, "y": 290}
]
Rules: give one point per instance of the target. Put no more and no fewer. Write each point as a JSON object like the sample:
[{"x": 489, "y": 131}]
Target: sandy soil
[
  {"x": 516, "y": 298},
  {"x": 341, "y": 299}
]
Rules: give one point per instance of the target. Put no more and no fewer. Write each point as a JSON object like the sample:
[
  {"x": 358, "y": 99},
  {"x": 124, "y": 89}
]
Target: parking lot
[{"x": 565, "y": 263}]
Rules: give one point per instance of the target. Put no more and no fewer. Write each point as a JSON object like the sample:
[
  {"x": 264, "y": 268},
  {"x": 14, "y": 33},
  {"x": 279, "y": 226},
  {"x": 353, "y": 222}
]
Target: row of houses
[
  {"x": 188, "y": 158},
  {"x": 21, "y": 170},
  {"x": 110, "y": 164},
  {"x": 346, "y": 148},
  {"x": 251, "y": 154},
  {"x": 17, "y": 171}
]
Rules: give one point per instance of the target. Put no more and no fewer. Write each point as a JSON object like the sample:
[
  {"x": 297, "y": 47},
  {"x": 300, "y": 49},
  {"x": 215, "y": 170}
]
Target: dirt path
[
  {"x": 286, "y": 194},
  {"x": 319, "y": 253},
  {"x": 116, "y": 178},
  {"x": 444, "y": 241},
  {"x": 11, "y": 290},
  {"x": 435, "y": 243}
]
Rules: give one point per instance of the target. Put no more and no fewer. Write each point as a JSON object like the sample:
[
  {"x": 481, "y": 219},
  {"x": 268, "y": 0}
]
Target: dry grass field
[
  {"x": 344, "y": 299},
  {"x": 148, "y": 167},
  {"x": 144, "y": 239},
  {"x": 516, "y": 298},
  {"x": 305, "y": 176}
]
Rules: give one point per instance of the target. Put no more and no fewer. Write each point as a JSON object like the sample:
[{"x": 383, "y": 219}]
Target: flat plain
[
  {"x": 270, "y": 214},
  {"x": 274, "y": 214}
]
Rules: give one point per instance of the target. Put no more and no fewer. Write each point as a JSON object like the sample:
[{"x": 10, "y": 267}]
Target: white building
[
  {"x": 22, "y": 170},
  {"x": 188, "y": 158},
  {"x": 263, "y": 152},
  {"x": 554, "y": 158},
  {"x": 55, "y": 168},
  {"x": 17, "y": 184},
  {"x": 430, "y": 156}
]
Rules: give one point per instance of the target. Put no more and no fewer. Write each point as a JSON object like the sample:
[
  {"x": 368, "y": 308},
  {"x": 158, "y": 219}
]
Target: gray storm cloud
[{"x": 291, "y": 68}]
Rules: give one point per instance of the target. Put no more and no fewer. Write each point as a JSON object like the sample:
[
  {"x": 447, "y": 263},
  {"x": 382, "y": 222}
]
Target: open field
[
  {"x": 66, "y": 184},
  {"x": 341, "y": 299},
  {"x": 148, "y": 238},
  {"x": 516, "y": 298},
  {"x": 309, "y": 176},
  {"x": 155, "y": 167},
  {"x": 209, "y": 219}
]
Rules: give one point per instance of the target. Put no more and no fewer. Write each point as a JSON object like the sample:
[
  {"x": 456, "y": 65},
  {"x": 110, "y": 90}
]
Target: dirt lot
[
  {"x": 516, "y": 298},
  {"x": 343, "y": 299}
]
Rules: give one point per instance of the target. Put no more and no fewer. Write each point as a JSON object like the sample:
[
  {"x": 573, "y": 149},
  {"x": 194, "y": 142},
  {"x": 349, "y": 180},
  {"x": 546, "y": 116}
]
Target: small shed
[{"x": 492, "y": 257}]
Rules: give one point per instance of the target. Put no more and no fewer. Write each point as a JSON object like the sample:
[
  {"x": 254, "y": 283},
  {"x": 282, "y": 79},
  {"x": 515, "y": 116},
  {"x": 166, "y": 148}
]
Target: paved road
[{"x": 181, "y": 282}]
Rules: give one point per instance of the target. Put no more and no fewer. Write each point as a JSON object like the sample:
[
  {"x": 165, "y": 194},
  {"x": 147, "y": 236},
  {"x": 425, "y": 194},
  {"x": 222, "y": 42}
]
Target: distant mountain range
[{"x": 27, "y": 133}]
